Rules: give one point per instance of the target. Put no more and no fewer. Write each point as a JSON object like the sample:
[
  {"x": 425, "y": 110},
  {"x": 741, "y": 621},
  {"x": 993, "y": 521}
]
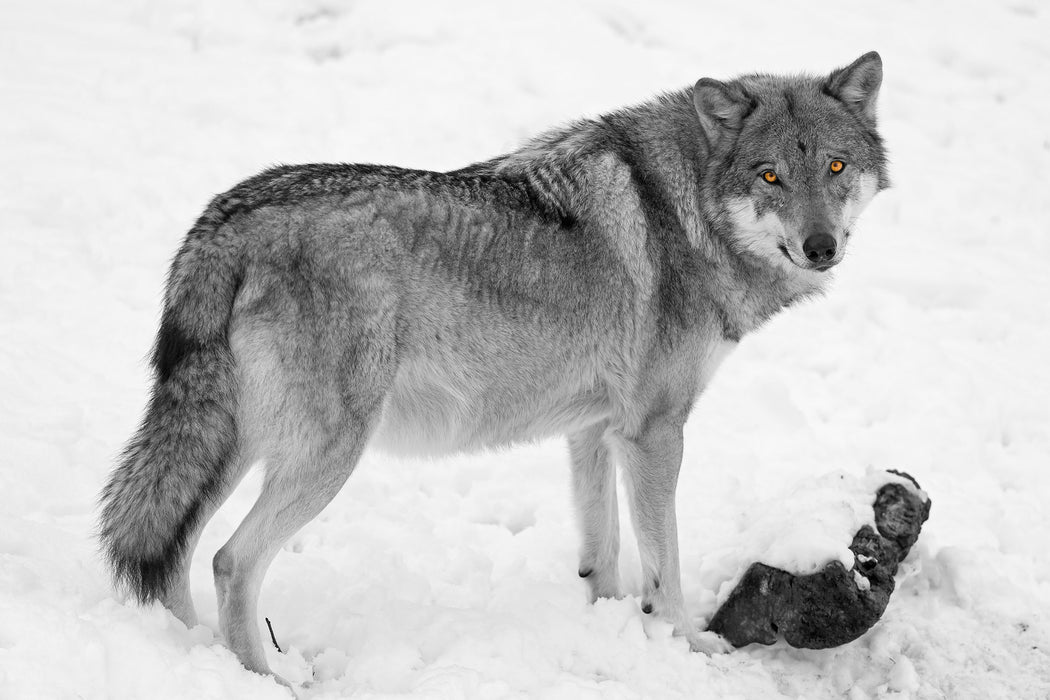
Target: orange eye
[
  {"x": 769, "y": 176},
  {"x": 837, "y": 166}
]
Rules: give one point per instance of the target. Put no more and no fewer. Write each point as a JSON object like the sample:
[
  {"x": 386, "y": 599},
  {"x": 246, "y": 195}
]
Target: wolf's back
[{"x": 183, "y": 450}]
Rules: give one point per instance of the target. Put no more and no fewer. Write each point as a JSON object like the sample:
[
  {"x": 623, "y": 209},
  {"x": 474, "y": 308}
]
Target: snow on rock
[
  {"x": 833, "y": 605},
  {"x": 807, "y": 526},
  {"x": 458, "y": 578}
]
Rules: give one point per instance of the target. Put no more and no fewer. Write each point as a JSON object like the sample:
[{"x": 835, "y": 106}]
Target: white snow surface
[{"x": 457, "y": 577}]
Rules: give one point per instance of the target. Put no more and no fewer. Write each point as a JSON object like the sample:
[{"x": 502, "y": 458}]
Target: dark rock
[{"x": 832, "y": 606}]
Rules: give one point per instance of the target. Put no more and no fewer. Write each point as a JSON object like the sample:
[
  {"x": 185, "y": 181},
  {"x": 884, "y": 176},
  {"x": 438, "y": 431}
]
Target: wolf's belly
[{"x": 430, "y": 412}]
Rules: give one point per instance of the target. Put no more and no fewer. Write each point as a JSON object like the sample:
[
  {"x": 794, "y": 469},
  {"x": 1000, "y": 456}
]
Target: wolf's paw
[
  {"x": 601, "y": 583},
  {"x": 305, "y": 689},
  {"x": 281, "y": 680},
  {"x": 709, "y": 643}
]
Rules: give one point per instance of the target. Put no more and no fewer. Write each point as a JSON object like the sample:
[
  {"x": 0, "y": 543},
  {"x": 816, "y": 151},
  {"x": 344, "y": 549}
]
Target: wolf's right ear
[{"x": 721, "y": 108}]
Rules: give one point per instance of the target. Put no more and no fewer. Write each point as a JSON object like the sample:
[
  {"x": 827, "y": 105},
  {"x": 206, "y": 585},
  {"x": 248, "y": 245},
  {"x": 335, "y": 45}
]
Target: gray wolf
[{"x": 586, "y": 285}]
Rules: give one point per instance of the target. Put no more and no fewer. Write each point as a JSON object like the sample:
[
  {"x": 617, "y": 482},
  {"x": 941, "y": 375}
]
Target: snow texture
[{"x": 457, "y": 578}]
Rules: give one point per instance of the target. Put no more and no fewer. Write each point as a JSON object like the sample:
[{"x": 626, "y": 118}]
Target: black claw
[
  {"x": 647, "y": 608},
  {"x": 584, "y": 573}
]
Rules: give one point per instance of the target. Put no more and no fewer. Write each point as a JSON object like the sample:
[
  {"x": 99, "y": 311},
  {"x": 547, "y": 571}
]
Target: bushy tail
[{"x": 181, "y": 455}]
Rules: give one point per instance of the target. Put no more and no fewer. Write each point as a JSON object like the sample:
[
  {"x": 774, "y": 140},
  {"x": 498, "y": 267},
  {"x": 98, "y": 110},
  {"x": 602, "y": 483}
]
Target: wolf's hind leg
[
  {"x": 594, "y": 492},
  {"x": 313, "y": 385},
  {"x": 177, "y": 599},
  {"x": 293, "y": 493}
]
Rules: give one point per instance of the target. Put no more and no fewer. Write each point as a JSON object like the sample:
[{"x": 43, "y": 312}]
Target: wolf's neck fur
[{"x": 659, "y": 150}]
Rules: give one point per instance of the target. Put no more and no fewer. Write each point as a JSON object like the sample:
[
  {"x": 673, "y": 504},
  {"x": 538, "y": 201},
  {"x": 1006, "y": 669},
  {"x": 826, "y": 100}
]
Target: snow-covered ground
[{"x": 457, "y": 578}]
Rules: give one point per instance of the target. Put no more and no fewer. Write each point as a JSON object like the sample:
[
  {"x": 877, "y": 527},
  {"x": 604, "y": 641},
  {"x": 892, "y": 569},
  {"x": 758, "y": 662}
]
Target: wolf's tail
[{"x": 182, "y": 454}]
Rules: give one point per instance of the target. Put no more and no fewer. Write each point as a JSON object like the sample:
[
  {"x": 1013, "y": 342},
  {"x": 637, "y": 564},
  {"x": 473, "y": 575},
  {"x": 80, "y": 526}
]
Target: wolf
[{"x": 587, "y": 284}]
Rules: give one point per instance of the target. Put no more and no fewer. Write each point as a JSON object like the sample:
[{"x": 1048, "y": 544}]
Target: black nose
[{"x": 819, "y": 248}]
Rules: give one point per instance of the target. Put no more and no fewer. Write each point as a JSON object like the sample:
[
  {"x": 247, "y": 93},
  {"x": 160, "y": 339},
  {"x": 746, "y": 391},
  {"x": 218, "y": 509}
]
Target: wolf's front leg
[
  {"x": 594, "y": 491},
  {"x": 652, "y": 459}
]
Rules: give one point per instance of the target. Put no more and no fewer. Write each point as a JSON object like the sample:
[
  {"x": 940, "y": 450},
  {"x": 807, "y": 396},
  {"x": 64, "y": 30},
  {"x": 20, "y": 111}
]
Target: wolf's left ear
[{"x": 857, "y": 85}]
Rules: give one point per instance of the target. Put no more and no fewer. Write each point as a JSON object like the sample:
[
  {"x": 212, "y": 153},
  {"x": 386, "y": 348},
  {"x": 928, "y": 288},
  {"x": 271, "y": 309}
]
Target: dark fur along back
[{"x": 187, "y": 441}]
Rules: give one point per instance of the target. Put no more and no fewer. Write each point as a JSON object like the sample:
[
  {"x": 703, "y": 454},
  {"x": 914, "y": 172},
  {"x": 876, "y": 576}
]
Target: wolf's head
[{"x": 792, "y": 161}]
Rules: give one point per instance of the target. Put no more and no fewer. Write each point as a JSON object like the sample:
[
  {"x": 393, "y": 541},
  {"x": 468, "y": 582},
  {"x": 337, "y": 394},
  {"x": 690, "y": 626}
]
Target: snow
[{"x": 457, "y": 578}]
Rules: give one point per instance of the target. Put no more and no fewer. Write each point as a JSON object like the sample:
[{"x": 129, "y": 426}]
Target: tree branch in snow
[{"x": 273, "y": 638}]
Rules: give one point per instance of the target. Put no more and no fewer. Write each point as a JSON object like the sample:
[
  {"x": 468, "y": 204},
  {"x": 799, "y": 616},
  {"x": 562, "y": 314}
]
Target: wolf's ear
[
  {"x": 857, "y": 85},
  {"x": 721, "y": 108}
]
